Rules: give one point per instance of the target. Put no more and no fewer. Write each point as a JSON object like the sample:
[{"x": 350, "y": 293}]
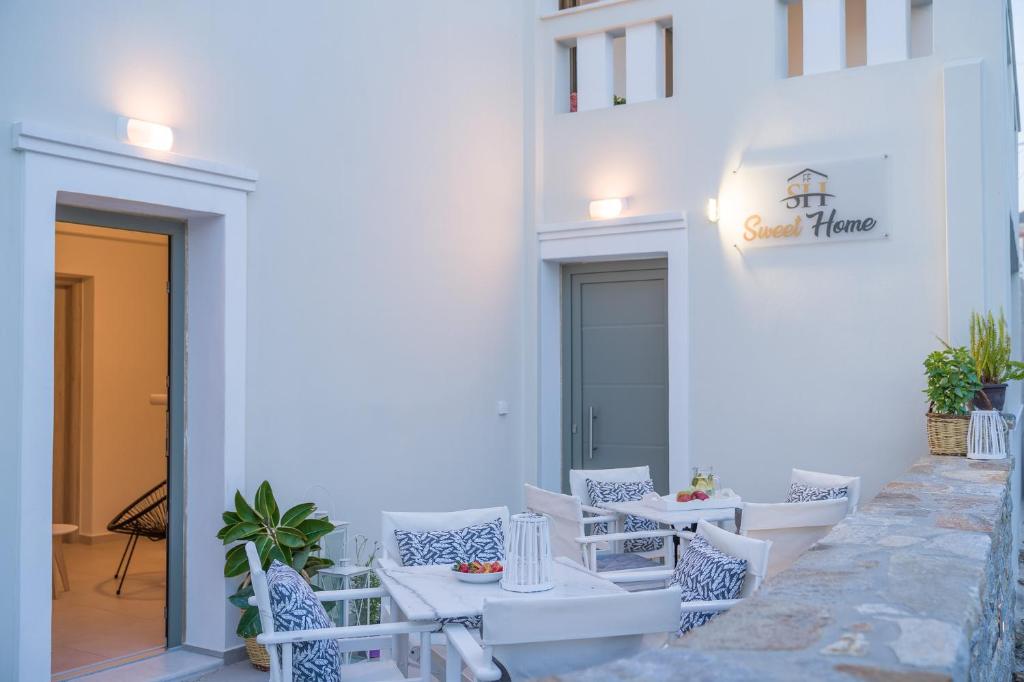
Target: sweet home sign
[{"x": 809, "y": 204}]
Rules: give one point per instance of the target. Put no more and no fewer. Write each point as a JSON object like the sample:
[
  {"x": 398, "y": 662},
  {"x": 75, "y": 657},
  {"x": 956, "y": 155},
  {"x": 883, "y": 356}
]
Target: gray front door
[{"x": 615, "y": 367}]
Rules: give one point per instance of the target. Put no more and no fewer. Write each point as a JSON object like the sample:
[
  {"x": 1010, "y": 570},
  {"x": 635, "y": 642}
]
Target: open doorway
[{"x": 118, "y": 430}]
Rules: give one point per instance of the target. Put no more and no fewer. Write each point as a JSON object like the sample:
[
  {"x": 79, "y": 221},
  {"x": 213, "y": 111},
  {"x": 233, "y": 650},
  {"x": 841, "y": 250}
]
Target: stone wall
[{"x": 917, "y": 586}]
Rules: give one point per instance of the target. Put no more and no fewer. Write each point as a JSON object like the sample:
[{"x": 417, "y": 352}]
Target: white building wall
[
  {"x": 812, "y": 355},
  {"x": 385, "y": 236}
]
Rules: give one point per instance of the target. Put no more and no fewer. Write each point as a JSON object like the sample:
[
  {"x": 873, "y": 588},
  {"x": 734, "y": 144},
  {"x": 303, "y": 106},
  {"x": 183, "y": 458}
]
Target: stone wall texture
[{"x": 916, "y": 586}]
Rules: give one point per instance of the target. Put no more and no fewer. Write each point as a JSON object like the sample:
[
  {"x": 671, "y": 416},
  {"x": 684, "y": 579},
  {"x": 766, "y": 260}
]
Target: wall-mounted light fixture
[
  {"x": 712, "y": 210},
  {"x": 145, "y": 134},
  {"x": 605, "y": 209}
]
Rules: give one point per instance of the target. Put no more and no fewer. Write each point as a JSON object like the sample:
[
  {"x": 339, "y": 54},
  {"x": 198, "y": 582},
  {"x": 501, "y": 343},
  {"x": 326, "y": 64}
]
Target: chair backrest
[
  {"x": 754, "y": 551},
  {"x": 424, "y": 521},
  {"x": 541, "y": 636},
  {"x": 578, "y": 479},
  {"x": 820, "y": 480},
  {"x": 792, "y": 527},
  {"x": 262, "y": 594},
  {"x": 565, "y": 520}
]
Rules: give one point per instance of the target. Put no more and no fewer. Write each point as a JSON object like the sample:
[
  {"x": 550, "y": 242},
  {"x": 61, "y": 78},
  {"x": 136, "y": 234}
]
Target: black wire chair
[{"x": 145, "y": 517}]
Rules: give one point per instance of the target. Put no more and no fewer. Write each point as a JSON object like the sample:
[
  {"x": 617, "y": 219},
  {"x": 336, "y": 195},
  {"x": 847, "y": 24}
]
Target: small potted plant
[
  {"x": 990, "y": 349},
  {"x": 952, "y": 383},
  {"x": 290, "y": 538}
]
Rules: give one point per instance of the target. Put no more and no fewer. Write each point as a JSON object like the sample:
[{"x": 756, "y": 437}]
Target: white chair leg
[
  {"x": 286, "y": 662},
  {"x": 426, "y": 656},
  {"x": 452, "y": 666}
]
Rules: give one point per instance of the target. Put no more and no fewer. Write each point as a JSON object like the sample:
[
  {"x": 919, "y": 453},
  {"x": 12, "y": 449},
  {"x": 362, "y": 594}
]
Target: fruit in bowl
[
  {"x": 474, "y": 567},
  {"x": 691, "y": 495}
]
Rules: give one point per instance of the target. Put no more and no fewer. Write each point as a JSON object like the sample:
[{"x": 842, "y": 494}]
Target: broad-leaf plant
[
  {"x": 290, "y": 538},
  {"x": 952, "y": 380}
]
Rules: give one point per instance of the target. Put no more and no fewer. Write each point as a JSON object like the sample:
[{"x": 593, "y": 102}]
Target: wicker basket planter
[
  {"x": 947, "y": 434},
  {"x": 258, "y": 655}
]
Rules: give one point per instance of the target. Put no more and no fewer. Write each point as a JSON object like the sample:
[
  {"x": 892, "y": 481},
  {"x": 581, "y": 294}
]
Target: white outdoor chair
[
  {"x": 756, "y": 552},
  {"x": 819, "y": 480},
  {"x": 792, "y": 527},
  {"x": 569, "y": 537},
  {"x": 349, "y": 638},
  {"x": 427, "y": 521},
  {"x": 537, "y": 637},
  {"x": 578, "y": 487},
  {"x": 578, "y": 479}
]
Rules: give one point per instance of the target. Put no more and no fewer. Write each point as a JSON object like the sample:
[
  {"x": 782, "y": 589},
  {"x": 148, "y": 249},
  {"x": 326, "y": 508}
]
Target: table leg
[{"x": 58, "y": 554}]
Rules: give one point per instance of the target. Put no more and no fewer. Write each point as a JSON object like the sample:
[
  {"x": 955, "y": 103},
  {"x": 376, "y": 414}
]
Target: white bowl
[{"x": 478, "y": 577}]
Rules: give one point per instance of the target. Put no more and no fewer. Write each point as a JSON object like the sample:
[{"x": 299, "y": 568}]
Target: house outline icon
[
  {"x": 803, "y": 199},
  {"x": 808, "y": 171}
]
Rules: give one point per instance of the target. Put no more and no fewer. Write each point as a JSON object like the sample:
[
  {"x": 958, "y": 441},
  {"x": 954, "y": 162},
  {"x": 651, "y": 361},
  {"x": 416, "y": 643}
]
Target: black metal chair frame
[{"x": 145, "y": 517}]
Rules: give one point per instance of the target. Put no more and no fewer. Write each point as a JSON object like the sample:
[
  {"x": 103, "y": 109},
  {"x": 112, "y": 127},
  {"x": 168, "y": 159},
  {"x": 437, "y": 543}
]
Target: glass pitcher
[{"x": 703, "y": 479}]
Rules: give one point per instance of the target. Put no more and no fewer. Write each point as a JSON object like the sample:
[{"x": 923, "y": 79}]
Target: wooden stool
[{"x": 59, "y": 531}]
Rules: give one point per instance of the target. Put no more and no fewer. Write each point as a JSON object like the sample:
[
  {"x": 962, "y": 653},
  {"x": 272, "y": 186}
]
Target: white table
[
  {"x": 431, "y": 592},
  {"x": 677, "y": 519}
]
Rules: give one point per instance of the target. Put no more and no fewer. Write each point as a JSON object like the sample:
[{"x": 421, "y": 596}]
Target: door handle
[{"x": 591, "y": 443}]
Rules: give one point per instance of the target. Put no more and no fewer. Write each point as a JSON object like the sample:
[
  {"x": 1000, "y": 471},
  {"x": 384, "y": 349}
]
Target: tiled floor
[{"x": 91, "y": 624}]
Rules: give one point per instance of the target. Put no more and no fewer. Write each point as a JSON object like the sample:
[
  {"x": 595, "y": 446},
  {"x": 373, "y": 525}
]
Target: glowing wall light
[
  {"x": 604, "y": 209},
  {"x": 145, "y": 134},
  {"x": 712, "y": 210}
]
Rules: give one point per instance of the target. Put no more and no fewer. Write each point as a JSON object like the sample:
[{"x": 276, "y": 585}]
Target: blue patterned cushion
[
  {"x": 706, "y": 574},
  {"x": 626, "y": 491},
  {"x": 295, "y": 607},
  {"x": 482, "y": 542},
  {"x": 800, "y": 492}
]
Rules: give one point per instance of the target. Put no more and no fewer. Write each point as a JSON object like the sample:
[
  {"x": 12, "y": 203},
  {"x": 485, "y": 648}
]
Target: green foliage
[
  {"x": 991, "y": 348},
  {"x": 952, "y": 380},
  {"x": 290, "y": 538},
  {"x": 365, "y": 611},
  {"x": 616, "y": 100}
]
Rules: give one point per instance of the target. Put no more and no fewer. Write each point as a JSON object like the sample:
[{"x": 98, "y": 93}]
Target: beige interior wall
[
  {"x": 856, "y": 33},
  {"x": 127, "y": 272}
]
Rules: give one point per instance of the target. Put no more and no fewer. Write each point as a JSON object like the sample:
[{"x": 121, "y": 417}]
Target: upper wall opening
[{"x": 828, "y": 35}]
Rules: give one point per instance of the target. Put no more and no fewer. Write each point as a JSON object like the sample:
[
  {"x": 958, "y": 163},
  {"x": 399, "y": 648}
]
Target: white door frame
[
  {"x": 630, "y": 238},
  {"x": 212, "y": 198}
]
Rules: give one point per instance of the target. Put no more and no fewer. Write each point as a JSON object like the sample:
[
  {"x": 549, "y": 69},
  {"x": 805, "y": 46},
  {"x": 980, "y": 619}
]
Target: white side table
[{"x": 344, "y": 574}]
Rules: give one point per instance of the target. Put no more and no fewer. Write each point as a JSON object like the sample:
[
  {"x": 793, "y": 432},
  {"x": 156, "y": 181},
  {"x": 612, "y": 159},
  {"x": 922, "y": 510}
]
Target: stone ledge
[{"x": 918, "y": 585}]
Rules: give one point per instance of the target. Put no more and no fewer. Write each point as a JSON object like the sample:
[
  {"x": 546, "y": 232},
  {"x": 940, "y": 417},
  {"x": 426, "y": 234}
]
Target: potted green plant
[
  {"x": 952, "y": 383},
  {"x": 290, "y": 538},
  {"x": 990, "y": 349}
]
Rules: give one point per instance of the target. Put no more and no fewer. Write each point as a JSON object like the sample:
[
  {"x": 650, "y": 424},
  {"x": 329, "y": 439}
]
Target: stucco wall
[
  {"x": 384, "y": 238},
  {"x": 812, "y": 353}
]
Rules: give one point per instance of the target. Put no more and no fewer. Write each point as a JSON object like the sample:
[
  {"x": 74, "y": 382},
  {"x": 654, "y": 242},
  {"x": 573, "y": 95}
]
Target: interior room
[{"x": 109, "y": 447}]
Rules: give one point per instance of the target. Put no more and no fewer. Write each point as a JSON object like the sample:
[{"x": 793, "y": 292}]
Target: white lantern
[
  {"x": 527, "y": 554},
  {"x": 986, "y": 435}
]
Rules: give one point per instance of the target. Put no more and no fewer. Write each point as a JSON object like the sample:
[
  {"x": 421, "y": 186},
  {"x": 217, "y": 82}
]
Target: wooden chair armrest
[
  {"x": 713, "y": 606},
  {"x": 349, "y": 632},
  {"x": 686, "y": 535},
  {"x": 343, "y": 595},
  {"x": 607, "y": 518},
  {"x": 614, "y": 537},
  {"x": 638, "y": 575},
  {"x": 597, "y": 511},
  {"x": 478, "y": 659}
]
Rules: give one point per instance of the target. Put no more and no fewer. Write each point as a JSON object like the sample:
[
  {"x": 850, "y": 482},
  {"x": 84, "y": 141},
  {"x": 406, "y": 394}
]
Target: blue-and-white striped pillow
[
  {"x": 482, "y": 542},
  {"x": 801, "y": 492},
  {"x": 705, "y": 573},
  {"x": 295, "y": 607},
  {"x": 626, "y": 491}
]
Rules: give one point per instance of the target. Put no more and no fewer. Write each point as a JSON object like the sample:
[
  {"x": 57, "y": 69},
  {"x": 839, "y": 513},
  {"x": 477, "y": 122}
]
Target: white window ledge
[
  {"x": 582, "y": 8},
  {"x": 651, "y": 222}
]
